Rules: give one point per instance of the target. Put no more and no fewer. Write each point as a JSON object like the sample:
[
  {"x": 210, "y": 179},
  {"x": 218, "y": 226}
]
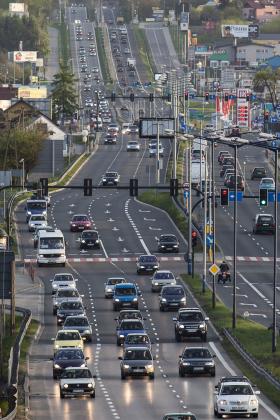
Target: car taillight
[{"x": 258, "y": 225}]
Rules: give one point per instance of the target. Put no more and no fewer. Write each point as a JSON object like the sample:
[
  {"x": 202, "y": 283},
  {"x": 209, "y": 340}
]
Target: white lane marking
[
  {"x": 232, "y": 372},
  {"x": 251, "y": 285},
  {"x": 104, "y": 250},
  {"x": 135, "y": 228}
]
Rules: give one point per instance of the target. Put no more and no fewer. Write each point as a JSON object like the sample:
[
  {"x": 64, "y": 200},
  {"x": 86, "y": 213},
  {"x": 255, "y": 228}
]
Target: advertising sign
[
  {"x": 25, "y": 56},
  {"x": 16, "y": 7},
  {"x": 253, "y": 31},
  {"x": 152, "y": 127},
  {"x": 237, "y": 31},
  {"x": 242, "y": 109},
  {"x": 184, "y": 21},
  {"x": 39, "y": 92}
]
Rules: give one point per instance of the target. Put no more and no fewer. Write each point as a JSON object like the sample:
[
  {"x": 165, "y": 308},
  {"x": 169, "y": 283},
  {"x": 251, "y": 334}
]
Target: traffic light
[
  {"x": 226, "y": 97},
  {"x": 151, "y": 97},
  {"x": 186, "y": 96},
  {"x": 44, "y": 186},
  {"x": 173, "y": 187},
  {"x": 194, "y": 238},
  {"x": 113, "y": 96},
  {"x": 87, "y": 187},
  {"x": 207, "y": 97},
  {"x": 133, "y": 187},
  {"x": 131, "y": 97},
  {"x": 224, "y": 196},
  {"x": 263, "y": 197}
]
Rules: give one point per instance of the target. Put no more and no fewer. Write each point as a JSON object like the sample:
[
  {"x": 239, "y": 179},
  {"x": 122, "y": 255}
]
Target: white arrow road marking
[
  {"x": 151, "y": 228},
  {"x": 115, "y": 228},
  {"x": 149, "y": 220},
  {"x": 263, "y": 315},
  {"x": 120, "y": 239},
  {"x": 125, "y": 250},
  {"x": 110, "y": 220},
  {"x": 144, "y": 211},
  {"x": 72, "y": 205},
  {"x": 107, "y": 211},
  {"x": 108, "y": 205},
  {"x": 248, "y": 304},
  {"x": 241, "y": 295}
]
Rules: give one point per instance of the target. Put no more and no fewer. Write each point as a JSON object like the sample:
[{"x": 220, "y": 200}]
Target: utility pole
[
  {"x": 204, "y": 226},
  {"x": 190, "y": 212},
  {"x": 274, "y": 307}
]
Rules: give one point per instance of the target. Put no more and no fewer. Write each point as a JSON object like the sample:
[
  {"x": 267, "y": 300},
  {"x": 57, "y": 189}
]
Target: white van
[{"x": 51, "y": 248}]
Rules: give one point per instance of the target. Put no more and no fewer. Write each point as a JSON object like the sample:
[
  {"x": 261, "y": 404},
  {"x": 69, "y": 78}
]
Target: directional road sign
[
  {"x": 209, "y": 239},
  {"x": 271, "y": 197},
  {"x": 186, "y": 194},
  {"x": 231, "y": 196},
  {"x": 214, "y": 269}
]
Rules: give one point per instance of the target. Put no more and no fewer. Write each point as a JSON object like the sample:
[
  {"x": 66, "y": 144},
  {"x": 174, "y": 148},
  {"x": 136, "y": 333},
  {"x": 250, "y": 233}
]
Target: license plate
[
  {"x": 265, "y": 224},
  {"x": 139, "y": 370},
  {"x": 237, "y": 408},
  {"x": 78, "y": 391},
  {"x": 174, "y": 304},
  {"x": 81, "y": 227},
  {"x": 192, "y": 330},
  {"x": 198, "y": 369},
  {"x": 126, "y": 304}
]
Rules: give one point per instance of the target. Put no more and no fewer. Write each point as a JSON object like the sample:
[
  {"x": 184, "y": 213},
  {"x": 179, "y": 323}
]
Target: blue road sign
[
  {"x": 232, "y": 96},
  {"x": 271, "y": 197},
  {"x": 212, "y": 96},
  {"x": 209, "y": 239},
  {"x": 232, "y": 196},
  {"x": 186, "y": 194}
]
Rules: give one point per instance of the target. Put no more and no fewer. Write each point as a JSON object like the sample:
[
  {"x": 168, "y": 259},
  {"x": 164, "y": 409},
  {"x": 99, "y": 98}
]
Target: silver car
[
  {"x": 110, "y": 285},
  {"x": 133, "y": 146},
  {"x": 65, "y": 294},
  {"x": 162, "y": 278},
  {"x": 63, "y": 280}
]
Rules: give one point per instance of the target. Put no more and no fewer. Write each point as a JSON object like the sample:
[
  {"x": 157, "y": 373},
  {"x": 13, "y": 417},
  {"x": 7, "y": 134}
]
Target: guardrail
[{"x": 266, "y": 374}]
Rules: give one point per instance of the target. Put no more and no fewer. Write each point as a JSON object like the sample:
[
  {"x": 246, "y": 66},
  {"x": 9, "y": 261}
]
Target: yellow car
[{"x": 67, "y": 338}]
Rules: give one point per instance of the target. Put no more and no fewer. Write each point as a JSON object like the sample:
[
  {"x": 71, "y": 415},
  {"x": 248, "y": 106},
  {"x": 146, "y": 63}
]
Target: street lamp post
[
  {"x": 23, "y": 173},
  {"x": 274, "y": 326}
]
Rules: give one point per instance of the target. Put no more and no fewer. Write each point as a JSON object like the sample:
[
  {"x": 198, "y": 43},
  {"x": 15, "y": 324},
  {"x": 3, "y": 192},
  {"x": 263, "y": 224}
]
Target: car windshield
[
  {"x": 51, "y": 243},
  {"x": 190, "y": 316},
  {"x": 131, "y": 325},
  {"x": 111, "y": 174},
  {"x": 236, "y": 390},
  {"x": 137, "y": 355},
  {"x": 70, "y": 306},
  {"x": 173, "y": 291},
  {"x": 89, "y": 235},
  {"x": 76, "y": 322},
  {"x": 179, "y": 417},
  {"x": 37, "y": 218},
  {"x": 265, "y": 219},
  {"x": 137, "y": 339},
  {"x": 69, "y": 355},
  {"x": 63, "y": 277},
  {"x": 115, "y": 281},
  {"x": 36, "y": 205},
  {"x": 67, "y": 293},
  {"x": 67, "y": 335},
  {"x": 197, "y": 354},
  {"x": 76, "y": 373},
  {"x": 259, "y": 171},
  {"x": 168, "y": 238},
  {"x": 125, "y": 291},
  {"x": 267, "y": 181},
  {"x": 130, "y": 315},
  {"x": 148, "y": 258},
  {"x": 164, "y": 275},
  {"x": 80, "y": 219}
]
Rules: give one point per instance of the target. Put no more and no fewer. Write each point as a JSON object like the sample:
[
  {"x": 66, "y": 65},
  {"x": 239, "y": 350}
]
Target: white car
[
  {"x": 62, "y": 280},
  {"x": 133, "y": 146},
  {"x": 35, "y": 221},
  {"x": 238, "y": 398},
  {"x": 75, "y": 381},
  {"x": 65, "y": 294},
  {"x": 162, "y": 278},
  {"x": 153, "y": 150}
]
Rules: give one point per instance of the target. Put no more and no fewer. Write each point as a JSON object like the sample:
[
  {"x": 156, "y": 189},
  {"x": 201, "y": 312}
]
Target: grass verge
[
  {"x": 144, "y": 51},
  {"x": 255, "y": 338},
  {"x": 102, "y": 56}
]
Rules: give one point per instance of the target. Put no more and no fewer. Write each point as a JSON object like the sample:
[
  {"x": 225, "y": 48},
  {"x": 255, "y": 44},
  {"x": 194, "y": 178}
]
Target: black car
[
  {"x": 190, "y": 322},
  {"x": 172, "y": 297},
  {"x": 67, "y": 357},
  {"x": 89, "y": 239},
  {"x": 111, "y": 178},
  {"x": 129, "y": 314},
  {"x": 69, "y": 309},
  {"x": 167, "y": 243},
  {"x": 264, "y": 223},
  {"x": 258, "y": 173},
  {"x": 196, "y": 360},
  {"x": 230, "y": 182},
  {"x": 147, "y": 264}
]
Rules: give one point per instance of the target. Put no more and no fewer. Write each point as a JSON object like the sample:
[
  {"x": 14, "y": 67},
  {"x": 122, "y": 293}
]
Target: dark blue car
[
  {"x": 129, "y": 326},
  {"x": 125, "y": 296}
]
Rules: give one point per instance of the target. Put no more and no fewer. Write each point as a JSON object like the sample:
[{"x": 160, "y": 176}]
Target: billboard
[
  {"x": 32, "y": 92},
  {"x": 237, "y": 31},
  {"x": 151, "y": 127},
  {"x": 16, "y": 7},
  {"x": 25, "y": 56},
  {"x": 253, "y": 31},
  {"x": 184, "y": 21},
  {"x": 243, "y": 108}
]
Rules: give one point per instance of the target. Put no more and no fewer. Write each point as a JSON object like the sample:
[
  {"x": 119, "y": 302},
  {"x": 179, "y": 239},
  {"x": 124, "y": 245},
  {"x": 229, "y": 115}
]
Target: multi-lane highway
[{"x": 127, "y": 229}]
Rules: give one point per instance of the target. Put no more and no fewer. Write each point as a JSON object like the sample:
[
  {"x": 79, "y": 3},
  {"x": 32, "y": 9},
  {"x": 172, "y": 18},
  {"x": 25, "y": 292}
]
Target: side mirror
[
  {"x": 118, "y": 328},
  {"x": 174, "y": 319},
  {"x": 139, "y": 293},
  {"x": 206, "y": 318},
  {"x": 66, "y": 243},
  {"x": 115, "y": 319},
  {"x": 257, "y": 392},
  {"x": 82, "y": 295},
  {"x": 87, "y": 358},
  {"x": 51, "y": 279},
  {"x": 144, "y": 319},
  {"x": 213, "y": 355},
  {"x": 216, "y": 393},
  {"x": 120, "y": 358},
  {"x": 76, "y": 279},
  {"x": 180, "y": 356},
  {"x": 94, "y": 376},
  {"x": 156, "y": 238}
]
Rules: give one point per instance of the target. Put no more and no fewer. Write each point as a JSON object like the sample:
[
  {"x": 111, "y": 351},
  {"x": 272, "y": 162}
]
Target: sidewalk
[{"x": 52, "y": 66}]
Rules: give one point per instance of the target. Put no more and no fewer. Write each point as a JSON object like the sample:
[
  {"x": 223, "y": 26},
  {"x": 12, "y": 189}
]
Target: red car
[{"x": 80, "y": 222}]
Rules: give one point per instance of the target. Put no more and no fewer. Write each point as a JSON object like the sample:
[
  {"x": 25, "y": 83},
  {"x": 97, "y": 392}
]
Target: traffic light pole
[
  {"x": 213, "y": 225},
  {"x": 190, "y": 213},
  {"x": 234, "y": 240},
  {"x": 274, "y": 326}
]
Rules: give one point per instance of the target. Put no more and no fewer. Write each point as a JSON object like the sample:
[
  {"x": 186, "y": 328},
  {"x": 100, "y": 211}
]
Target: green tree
[
  {"x": 267, "y": 80},
  {"x": 64, "y": 94}
]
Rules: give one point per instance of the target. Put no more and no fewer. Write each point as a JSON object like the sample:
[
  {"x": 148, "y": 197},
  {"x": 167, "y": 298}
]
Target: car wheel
[
  {"x": 62, "y": 395},
  {"x": 181, "y": 373},
  {"x": 204, "y": 338},
  {"x": 161, "y": 308},
  {"x": 118, "y": 342},
  {"x": 116, "y": 308},
  {"x": 178, "y": 338},
  {"x": 54, "y": 311},
  {"x": 151, "y": 376},
  {"x": 138, "y": 272},
  {"x": 39, "y": 265},
  {"x": 256, "y": 415},
  {"x": 55, "y": 376},
  {"x": 93, "y": 394},
  {"x": 153, "y": 291},
  {"x": 123, "y": 376},
  {"x": 213, "y": 374}
]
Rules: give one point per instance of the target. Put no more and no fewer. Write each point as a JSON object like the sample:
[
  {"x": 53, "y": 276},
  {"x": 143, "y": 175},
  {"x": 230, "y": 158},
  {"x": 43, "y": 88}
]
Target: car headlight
[
  {"x": 155, "y": 266},
  {"x": 175, "y": 246},
  {"x": 209, "y": 363},
  {"x": 149, "y": 366},
  {"x": 135, "y": 299},
  {"x": 55, "y": 286},
  {"x": 126, "y": 366},
  {"x": 162, "y": 246},
  {"x": 83, "y": 365},
  {"x": 80, "y": 346},
  {"x": 186, "y": 364},
  {"x": 56, "y": 346},
  {"x": 65, "y": 386},
  {"x": 41, "y": 255},
  {"x": 163, "y": 299},
  {"x": 55, "y": 303},
  {"x": 109, "y": 289},
  {"x": 87, "y": 332},
  {"x": 29, "y": 213},
  {"x": 222, "y": 402},
  {"x": 73, "y": 224},
  {"x": 44, "y": 213},
  {"x": 83, "y": 241},
  {"x": 181, "y": 326},
  {"x": 97, "y": 241},
  {"x": 202, "y": 325},
  {"x": 117, "y": 300},
  {"x": 156, "y": 283},
  {"x": 121, "y": 336},
  {"x": 32, "y": 224},
  {"x": 57, "y": 366},
  {"x": 116, "y": 179},
  {"x": 142, "y": 266},
  {"x": 90, "y": 385},
  {"x": 183, "y": 299},
  {"x": 104, "y": 179},
  {"x": 253, "y": 401}
]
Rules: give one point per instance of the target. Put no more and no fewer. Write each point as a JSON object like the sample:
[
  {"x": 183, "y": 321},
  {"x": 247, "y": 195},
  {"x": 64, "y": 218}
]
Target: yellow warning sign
[{"x": 214, "y": 269}]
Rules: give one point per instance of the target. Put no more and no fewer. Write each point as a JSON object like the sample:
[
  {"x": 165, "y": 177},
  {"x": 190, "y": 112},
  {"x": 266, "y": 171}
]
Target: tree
[
  {"x": 64, "y": 95},
  {"x": 268, "y": 79}
]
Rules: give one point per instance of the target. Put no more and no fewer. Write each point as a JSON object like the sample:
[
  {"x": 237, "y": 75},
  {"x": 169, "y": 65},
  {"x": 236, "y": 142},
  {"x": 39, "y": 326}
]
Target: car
[
  {"x": 137, "y": 340},
  {"x": 67, "y": 357},
  {"x": 264, "y": 223},
  {"x": 125, "y": 295},
  {"x": 129, "y": 314},
  {"x": 221, "y": 154},
  {"x": 126, "y": 51},
  {"x": 113, "y": 127},
  {"x": 128, "y": 326},
  {"x": 107, "y": 118},
  {"x": 258, "y": 173},
  {"x": 196, "y": 360},
  {"x": 168, "y": 242},
  {"x": 110, "y": 285},
  {"x": 65, "y": 294},
  {"x": 89, "y": 239},
  {"x": 80, "y": 222},
  {"x": 267, "y": 183},
  {"x": 227, "y": 160},
  {"x": 162, "y": 278},
  {"x": 228, "y": 173},
  {"x": 109, "y": 139},
  {"x": 147, "y": 264},
  {"x": 66, "y": 309},
  {"x": 190, "y": 322},
  {"x": 133, "y": 146},
  {"x": 233, "y": 378},
  {"x": 63, "y": 280},
  {"x": 179, "y": 416},
  {"x": 76, "y": 381},
  {"x": 133, "y": 129},
  {"x": 80, "y": 323},
  {"x": 238, "y": 398},
  {"x": 172, "y": 297},
  {"x": 225, "y": 168},
  {"x": 36, "y": 233},
  {"x": 137, "y": 361},
  {"x": 69, "y": 338},
  {"x": 153, "y": 150},
  {"x": 230, "y": 183},
  {"x": 36, "y": 220},
  {"x": 110, "y": 178}
]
